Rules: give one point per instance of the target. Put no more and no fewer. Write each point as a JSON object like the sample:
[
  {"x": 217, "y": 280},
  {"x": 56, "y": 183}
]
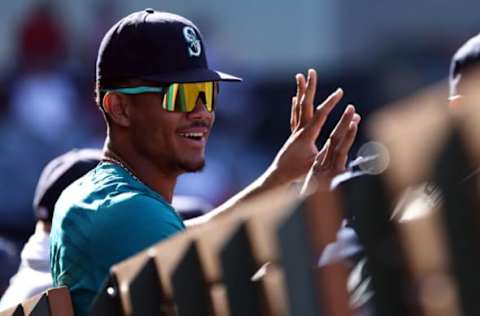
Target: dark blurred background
[{"x": 377, "y": 51}]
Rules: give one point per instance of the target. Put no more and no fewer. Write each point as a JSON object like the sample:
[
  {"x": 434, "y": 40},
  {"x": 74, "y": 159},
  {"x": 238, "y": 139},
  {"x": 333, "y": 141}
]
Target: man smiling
[{"x": 157, "y": 94}]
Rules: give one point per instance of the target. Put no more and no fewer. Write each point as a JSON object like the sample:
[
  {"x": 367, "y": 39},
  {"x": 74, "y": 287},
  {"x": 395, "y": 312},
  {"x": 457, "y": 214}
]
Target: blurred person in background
[
  {"x": 44, "y": 97},
  {"x": 33, "y": 275},
  {"x": 42, "y": 38},
  {"x": 157, "y": 95},
  {"x": 9, "y": 260},
  {"x": 41, "y": 119}
]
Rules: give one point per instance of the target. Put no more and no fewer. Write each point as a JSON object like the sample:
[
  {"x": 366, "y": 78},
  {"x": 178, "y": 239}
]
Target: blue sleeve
[{"x": 131, "y": 224}]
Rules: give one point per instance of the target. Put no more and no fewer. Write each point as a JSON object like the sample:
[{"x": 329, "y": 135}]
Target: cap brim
[{"x": 192, "y": 75}]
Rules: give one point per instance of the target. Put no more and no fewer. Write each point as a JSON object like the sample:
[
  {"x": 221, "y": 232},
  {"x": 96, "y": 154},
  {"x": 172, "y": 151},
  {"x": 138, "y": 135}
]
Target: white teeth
[{"x": 192, "y": 134}]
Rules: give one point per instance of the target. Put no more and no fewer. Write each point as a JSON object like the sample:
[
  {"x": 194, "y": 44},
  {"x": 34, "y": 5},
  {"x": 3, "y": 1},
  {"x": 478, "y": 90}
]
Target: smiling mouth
[{"x": 193, "y": 136}]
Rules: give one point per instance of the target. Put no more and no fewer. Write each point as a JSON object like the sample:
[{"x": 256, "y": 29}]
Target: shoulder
[
  {"x": 108, "y": 196},
  {"x": 104, "y": 188},
  {"x": 108, "y": 200},
  {"x": 131, "y": 205},
  {"x": 130, "y": 224},
  {"x": 104, "y": 198}
]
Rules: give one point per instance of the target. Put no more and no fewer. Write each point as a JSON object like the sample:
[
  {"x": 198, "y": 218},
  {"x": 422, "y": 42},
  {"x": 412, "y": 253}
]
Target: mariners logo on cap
[{"x": 194, "y": 46}]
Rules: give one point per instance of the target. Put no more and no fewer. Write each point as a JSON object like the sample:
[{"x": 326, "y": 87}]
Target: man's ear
[{"x": 116, "y": 107}]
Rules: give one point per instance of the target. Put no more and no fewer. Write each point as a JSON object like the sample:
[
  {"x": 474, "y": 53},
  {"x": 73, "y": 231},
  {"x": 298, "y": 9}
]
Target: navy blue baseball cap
[
  {"x": 59, "y": 174},
  {"x": 155, "y": 46}
]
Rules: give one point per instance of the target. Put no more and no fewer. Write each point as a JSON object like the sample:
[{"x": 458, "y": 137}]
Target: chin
[{"x": 192, "y": 166}]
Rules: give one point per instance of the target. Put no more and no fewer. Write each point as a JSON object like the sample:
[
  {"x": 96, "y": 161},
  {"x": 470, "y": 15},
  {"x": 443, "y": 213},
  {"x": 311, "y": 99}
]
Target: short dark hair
[{"x": 465, "y": 60}]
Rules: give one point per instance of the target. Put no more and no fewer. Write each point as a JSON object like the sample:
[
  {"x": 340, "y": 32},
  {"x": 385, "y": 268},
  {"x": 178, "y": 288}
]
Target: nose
[{"x": 200, "y": 110}]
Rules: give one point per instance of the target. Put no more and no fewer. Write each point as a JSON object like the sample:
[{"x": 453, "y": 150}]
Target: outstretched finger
[
  {"x": 341, "y": 128},
  {"x": 341, "y": 153},
  {"x": 309, "y": 98},
  {"x": 311, "y": 88},
  {"x": 301, "y": 87},
  {"x": 322, "y": 112},
  {"x": 294, "y": 115}
]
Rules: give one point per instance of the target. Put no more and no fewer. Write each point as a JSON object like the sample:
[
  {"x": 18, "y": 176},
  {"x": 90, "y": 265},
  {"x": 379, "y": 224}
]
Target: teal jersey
[{"x": 101, "y": 219}]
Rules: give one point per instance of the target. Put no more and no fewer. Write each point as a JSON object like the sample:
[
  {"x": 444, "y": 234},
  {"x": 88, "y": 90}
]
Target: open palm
[{"x": 300, "y": 155}]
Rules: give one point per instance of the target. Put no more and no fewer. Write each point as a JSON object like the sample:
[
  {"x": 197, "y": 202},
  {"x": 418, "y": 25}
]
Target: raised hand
[
  {"x": 331, "y": 159},
  {"x": 300, "y": 154}
]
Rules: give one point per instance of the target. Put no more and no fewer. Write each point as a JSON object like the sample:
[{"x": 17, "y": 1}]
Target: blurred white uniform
[{"x": 33, "y": 276}]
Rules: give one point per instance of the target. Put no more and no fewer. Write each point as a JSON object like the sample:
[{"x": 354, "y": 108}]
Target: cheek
[
  {"x": 154, "y": 129},
  {"x": 145, "y": 132},
  {"x": 161, "y": 130}
]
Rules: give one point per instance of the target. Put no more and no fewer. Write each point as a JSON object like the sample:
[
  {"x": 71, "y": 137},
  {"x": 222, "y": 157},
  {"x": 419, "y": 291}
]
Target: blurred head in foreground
[{"x": 464, "y": 70}]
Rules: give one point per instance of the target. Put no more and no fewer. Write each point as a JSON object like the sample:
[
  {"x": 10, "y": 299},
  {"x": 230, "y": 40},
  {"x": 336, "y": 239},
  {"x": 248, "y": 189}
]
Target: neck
[{"x": 143, "y": 168}]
